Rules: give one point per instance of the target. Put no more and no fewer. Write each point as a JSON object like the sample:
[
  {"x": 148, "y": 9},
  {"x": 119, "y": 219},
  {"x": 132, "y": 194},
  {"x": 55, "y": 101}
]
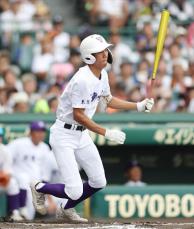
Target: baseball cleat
[
  {"x": 15, "y": 216},
  {"x": 69, "y": 215},
  {"x": 24, "y": 213},
  {"x": 38, "y": 200}
]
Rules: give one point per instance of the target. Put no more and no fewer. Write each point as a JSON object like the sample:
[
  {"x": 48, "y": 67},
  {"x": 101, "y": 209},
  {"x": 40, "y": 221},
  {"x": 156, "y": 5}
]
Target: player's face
[
  {"x": 38, "y": 136},
  {"x": 101, "y": 59}
]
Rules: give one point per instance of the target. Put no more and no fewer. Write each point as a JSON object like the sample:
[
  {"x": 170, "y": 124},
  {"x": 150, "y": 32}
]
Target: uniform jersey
[
  {"x": 83, "y": 91},
  {"x": 5, "y": 160},
  {"x": 30, "y": 158}
]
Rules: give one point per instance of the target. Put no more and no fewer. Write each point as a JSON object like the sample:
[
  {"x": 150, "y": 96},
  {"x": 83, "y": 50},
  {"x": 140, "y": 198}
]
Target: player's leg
[
  {"x": 72, "y": 187},
  {"x": 89, "y": 159},
  {"x": 13, "y": 202},
  {"x": 23, "y": 180}
]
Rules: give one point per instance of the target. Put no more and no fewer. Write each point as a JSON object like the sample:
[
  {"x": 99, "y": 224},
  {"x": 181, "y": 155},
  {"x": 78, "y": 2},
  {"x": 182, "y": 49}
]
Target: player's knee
[
  {"x": 23, "y": 180},
  {"x": 75, "y": 192}
]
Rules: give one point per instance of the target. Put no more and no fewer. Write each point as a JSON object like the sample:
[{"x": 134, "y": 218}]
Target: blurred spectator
[
  {"x": 30, "y": 87},
  {"x": 41, "y": 106},
  {"x": 176, "y": 58},
  {"x": 142, "y": 74},
  {"x": 119, "y": 92},
  {"x": 146, "y": 40},
  {"x": 112, "y": 13},
  {"x": 191, "y": 72},
  {"x": 121, "y": 51},
  {"x": 133, "y": 174},
  {"x": 4, "y": 63},
  {"x": 20, "y": 102},
  {"x": 42, "y": 62},
  {"x": 11, "y": 81},
  {"x": 191, "y": 35},
  {"x": 60, "y": 72},
  {"x": 42, "y": 18},
  {"x": 38, "y": 158},
  {"x": 144, "y": 8},
  {"x": 14, "y": 18},
  {"x": 42, "y": 46},
  {"x": 60, "y": 39},
  {"x": 163, "y": 80},
  {"x": 23, "y": 51},
  {"x": 8, "y": 183},
  {"x": 53, "y": 103},
  {"x": 191, "y": 100},
  {"x": 3, "y": 101},
  {"x": 4, "y": 5},
  {"x": 126, "y": 77},
  {"x": 181, "y": 10},
  {"x": 135, "y": 94},
  {"x": 179, "y": 85},
  {"x": 74, "y": 42}
]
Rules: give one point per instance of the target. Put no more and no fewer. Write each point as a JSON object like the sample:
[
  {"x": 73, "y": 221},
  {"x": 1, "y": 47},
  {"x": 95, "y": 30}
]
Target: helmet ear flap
[
  {"x": 89, "y": 59},
  {"x": 110, "y": 56}
]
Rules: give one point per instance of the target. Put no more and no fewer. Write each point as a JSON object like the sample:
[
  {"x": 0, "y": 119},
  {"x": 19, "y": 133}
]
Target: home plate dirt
[{"x": 143, "y": 224}]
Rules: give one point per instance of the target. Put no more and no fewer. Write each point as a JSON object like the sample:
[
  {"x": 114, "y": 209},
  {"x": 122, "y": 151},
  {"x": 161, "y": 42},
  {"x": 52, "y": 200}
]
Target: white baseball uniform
[
  {"x": 71, "y": 146},
  {"x": 6, "y": 166},
  {"x": 30, "y": 163}
]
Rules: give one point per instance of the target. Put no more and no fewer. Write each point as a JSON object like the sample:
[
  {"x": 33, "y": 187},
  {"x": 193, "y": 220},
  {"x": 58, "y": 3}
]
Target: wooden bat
[{"x": 159, "y": 47}]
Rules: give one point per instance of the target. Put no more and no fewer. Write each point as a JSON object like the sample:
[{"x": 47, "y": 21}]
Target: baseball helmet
[{"x": 93, "y": 44}]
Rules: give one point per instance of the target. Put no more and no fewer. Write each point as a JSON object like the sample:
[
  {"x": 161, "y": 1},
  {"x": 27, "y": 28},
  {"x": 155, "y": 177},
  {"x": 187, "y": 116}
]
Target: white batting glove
[
  {"x": 115, "y": 135},
  {"x": 145, "y": 105}
]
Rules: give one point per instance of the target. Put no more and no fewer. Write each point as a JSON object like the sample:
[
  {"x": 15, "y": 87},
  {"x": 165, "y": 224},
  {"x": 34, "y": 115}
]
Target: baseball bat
[{"x": 159, "y": 46}]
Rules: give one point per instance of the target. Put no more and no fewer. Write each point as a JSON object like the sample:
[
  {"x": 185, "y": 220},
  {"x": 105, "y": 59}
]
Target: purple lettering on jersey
[{"x": 94, "y": 96}]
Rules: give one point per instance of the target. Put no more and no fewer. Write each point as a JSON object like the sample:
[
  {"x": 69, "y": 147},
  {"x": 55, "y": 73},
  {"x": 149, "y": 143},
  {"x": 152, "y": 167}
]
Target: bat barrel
[{"x": 160, "y": 39}]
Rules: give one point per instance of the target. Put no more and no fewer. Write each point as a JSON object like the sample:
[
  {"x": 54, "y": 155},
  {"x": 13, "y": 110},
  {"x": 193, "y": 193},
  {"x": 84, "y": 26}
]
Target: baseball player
[
  {"x": 32, "y": 160},
  {"x": 69, "y": 137},
  {"x": 8, "y": 183}
]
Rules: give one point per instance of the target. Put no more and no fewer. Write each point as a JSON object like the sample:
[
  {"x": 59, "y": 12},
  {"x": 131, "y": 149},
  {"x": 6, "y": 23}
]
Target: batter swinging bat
[{"x": 159, "y": 46}]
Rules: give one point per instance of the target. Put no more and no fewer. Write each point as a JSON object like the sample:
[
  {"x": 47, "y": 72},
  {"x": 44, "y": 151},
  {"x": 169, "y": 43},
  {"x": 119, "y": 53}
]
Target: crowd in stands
[{"x": 38, "y": 56}]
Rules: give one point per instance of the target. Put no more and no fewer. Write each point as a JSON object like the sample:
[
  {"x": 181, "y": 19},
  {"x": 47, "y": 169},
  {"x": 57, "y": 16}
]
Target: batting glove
[
  {"x": 145, "y": 105},
  {"x": 115, "y": 135}
]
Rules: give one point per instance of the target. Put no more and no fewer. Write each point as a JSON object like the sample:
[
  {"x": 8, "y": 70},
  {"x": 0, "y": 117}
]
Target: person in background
[
  {"x": 133, "y": 173},
  {"x": 31, "y": 157},
  {"x": 8, "y": 183}
]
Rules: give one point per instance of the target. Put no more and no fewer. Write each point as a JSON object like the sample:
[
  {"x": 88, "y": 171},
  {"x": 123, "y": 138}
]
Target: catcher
[{"x": 8, "y": 184}]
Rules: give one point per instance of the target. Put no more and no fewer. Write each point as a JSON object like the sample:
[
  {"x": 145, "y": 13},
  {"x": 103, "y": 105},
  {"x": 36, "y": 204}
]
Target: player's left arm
[
  {"x": 145, "y": 105},
  {"x": 117, "y": 103}
]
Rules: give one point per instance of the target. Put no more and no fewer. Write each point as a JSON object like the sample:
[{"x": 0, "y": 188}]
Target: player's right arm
[
  {"x": 113, "y": 135},
  {"x": 80, "y": 117}
]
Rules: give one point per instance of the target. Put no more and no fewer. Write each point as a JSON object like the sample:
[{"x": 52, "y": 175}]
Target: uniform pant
[{"x": 71, "y": 148}]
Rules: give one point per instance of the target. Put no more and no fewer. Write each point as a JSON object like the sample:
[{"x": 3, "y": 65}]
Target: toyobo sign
[
  {"x": 150, "y": 202},
  {"x": 156, "y": 205}
]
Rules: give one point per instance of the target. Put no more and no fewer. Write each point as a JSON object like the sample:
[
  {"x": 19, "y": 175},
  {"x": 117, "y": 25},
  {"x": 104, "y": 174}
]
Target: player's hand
[
  {"x": 115, "y": 135},
  {"x": 4, "y": 179},
  {"x": 145, "y": 105}
]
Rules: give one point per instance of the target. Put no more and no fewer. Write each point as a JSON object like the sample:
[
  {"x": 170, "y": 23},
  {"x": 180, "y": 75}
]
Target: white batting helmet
[{"x": 93, "y": 44}]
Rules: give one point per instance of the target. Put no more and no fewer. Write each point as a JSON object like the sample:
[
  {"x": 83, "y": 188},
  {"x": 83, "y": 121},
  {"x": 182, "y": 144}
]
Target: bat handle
[{"x": 150, "y": 85}]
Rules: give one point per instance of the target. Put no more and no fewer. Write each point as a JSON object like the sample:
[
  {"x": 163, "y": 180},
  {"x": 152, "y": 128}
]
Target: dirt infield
[{"x": 143, "y": 224}]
